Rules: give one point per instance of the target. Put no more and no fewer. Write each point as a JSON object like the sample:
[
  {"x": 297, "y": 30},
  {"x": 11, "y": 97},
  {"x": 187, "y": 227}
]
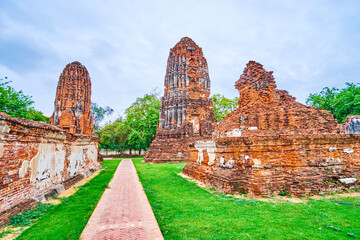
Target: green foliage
[
  {"x": 340, "y": 102},
  {"x": 35, "y": 115},
  {"x": 137, "y": 130},
  {"x": 68, "y": 219},
  {"x": 17, "y": 104},
  {"x": 142, "y": 118},
  {"x": 99, "y": 114},
  {"x": 185, "y": 211},
  {"x": 13, "y": 103},
  {"x": 114, "y": 135},
  {"x": 28, "y": 217},
  {"x": 223, "y": 106}
]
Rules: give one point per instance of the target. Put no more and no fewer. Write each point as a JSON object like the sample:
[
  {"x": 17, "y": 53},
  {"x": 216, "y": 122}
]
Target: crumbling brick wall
[
  {"x": 272, "y": 144},
  {"x": 265, "y": 165},
  {"x": 35, "y": 157},
  {"x": 186, "y": 112}
]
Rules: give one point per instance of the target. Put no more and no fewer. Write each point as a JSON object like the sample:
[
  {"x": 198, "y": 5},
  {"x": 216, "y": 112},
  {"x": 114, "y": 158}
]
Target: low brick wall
[
  {"x": 35, "y": 157},
  {"x": 283, "y": 164}
]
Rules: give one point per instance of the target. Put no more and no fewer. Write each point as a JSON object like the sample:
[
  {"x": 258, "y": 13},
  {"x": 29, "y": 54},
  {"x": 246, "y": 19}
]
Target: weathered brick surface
[
  {"x": 265, "y": 110},
  {"x": 35, "y": 156},
  {"x": 274, "y": 145},
  {"x": 73, "y": 100},
  {"x": 186, "y": 112}
]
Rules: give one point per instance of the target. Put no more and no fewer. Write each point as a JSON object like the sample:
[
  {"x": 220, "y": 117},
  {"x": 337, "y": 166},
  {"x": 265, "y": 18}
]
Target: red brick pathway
[{"x": 123, "y": 211}]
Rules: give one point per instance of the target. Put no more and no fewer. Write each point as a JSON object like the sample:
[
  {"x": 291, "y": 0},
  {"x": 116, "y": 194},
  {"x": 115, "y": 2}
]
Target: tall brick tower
[
  {"x": 186, "y": 112},
  {"x": 73, "y": 99}
]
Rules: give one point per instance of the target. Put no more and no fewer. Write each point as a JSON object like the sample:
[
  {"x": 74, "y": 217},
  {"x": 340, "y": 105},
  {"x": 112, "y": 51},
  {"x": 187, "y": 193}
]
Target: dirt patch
[
  {"x": 70, "y": 191},
  {"x": 13, "y": 232}
]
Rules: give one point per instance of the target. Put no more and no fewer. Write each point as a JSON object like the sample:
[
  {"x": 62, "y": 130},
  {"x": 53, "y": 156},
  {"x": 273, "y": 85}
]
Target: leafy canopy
[
  {"x": 17, "y": 104},
  {"x": 99, "y": 114},
  {"x": 223, "y": 106},
  {"x": 142, "y": 117},
  {"x": 137, "y": 130},
  {"x": 340, "y": 102}
]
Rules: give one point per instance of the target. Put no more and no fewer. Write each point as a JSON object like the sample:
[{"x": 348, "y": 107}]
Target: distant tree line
[{"x": 136, "y": 130}]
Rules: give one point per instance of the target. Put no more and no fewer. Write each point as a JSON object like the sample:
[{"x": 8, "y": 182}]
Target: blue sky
[{"x": 125, "y": 44}]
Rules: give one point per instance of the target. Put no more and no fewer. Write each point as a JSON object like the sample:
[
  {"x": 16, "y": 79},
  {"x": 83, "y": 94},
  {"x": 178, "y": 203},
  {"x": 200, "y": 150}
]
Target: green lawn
[
  {"x": 186, "y": 211},
  {"x": 67, "y": 220}
]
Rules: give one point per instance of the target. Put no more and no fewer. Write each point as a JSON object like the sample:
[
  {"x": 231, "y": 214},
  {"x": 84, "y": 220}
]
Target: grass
[
  {"x": 186, "y": 211},
  {"x": 68, "y": 219},
  {"x": 28, "y": 217}
]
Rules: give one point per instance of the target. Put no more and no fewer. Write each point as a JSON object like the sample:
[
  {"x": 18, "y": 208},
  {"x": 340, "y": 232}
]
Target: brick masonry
[
  {"x": 35, "y": 157},
  {"x": 186, "y": 112},
  {"x": 39, "y": 159},
  {"x": 73, "y": 100},
  {"x": 272, "y": 144}
]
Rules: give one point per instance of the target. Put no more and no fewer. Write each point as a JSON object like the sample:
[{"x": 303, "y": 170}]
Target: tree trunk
[{"x": 119, "y": 148}]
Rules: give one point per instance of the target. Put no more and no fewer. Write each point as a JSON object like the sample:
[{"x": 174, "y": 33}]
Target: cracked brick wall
[
  {"x": 36, "y": 157},
  {"x": 186, "y": 112},
  {"x": 272, "y": 144}
]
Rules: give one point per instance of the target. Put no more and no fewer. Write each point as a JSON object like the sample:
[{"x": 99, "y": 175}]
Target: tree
[
  {"x": 114, "y": 136},
  {"x": 17, "y": 104},
  {"x": 99, "y": 114},
  {"x": 340, "y": 102},
  {"x": 142, "y": 118},
  {"x": 223, "y": 106},
  {"x": 35, "y": 115},
  {"x": 137, "y": 130}
]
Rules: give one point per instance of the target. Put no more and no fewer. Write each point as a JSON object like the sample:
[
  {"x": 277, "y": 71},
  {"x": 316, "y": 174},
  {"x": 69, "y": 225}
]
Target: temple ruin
[
  {"x": 272, "y": 144},
  {"x": 186, "y": 112},
  {"x": 38, "y": 160},
  {"x": 73, "y": 100}
]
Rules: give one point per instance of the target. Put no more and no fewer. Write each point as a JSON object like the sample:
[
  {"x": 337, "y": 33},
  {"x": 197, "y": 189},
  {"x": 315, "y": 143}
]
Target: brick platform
[{"x": 123, "y": 211}]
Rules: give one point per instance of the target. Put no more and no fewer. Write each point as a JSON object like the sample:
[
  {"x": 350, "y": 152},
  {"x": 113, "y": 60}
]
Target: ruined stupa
[
  {"x": 73, "y": 100},
  {"x": 186, "y": 112},
  {"x": 274, "y": 145}
]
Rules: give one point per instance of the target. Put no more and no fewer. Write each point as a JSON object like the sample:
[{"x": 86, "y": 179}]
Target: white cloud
[{"x": 125, "y": 44}]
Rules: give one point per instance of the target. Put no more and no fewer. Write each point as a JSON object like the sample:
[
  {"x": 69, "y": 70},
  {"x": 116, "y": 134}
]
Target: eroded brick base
[{"x": 272, "y": 144}]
